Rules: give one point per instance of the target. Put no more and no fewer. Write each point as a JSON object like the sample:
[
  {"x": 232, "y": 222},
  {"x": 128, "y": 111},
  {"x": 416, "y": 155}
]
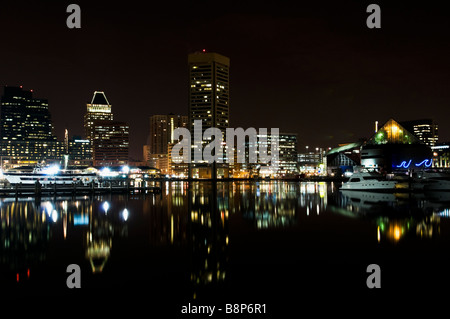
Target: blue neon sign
[
  {"x": 403, "y": 164},
  {"x": 425, "y": 163}
]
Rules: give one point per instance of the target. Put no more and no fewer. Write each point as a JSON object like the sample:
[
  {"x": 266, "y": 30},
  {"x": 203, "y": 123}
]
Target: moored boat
[
  {"x": 49, "y": 175},
  {"x": 431, "y": 180},
  {"x": 369, "y": 181}
]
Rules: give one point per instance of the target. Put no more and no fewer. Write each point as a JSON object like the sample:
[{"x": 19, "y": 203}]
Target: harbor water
[{"x": 271, "y": 242}]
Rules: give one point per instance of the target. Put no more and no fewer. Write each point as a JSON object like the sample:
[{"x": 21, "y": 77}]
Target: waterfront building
[
  {"x": 391, "y": 148},
  {"x": 161, "y": 131},
  {"x": 286, "y": 166},
  {"x": 159, "y": 161},
  {"x": 312, "y": 161},
  {"x": 176, "y": 166},
  {"x": 209, "y": 101},
  {"x": 156, "y": 152},
  {"x": 79, "y": 151},
  {"x": 146, "y": 153},
  {"x": 342, "y": 159},
  {"x": 111, "y": 143},
  {"x": 98, "y": 109},
  {"x": 441, "y": 155},
  {"x": 24, "y": 118},
  {"x": 426, "y": 130},
  {"x": 394, "y": 148},
  {"x": 26, "y": 129}
]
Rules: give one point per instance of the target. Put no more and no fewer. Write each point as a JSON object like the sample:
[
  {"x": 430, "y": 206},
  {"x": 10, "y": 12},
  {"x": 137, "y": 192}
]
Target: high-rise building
[
  {"x": 111, "y": 143},
  {"x": 161, "y": 131},
  {"x": 175, "y": 164},
  {"x": 426, "y": 130},
  {"x": 209, "y": 93},
  {"x": 146, "y": 153},
  {"x": 160, "y": 136},
  {"x": 24, "y": 118},
  {"x": 209, "y": 101},
  {"x": 285, "y": 166},
  {"x": 288, "y": 154},
  {"x": 79, "y": 151},
  {"x": 26, "y": 129},
  {"x": 98, "y": 109}
]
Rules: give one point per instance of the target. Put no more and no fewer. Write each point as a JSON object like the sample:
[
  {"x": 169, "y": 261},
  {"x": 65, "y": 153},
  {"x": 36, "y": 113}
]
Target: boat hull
[
  {"x": 31, "y": 178},
  {"x": 386, "y": 186}
]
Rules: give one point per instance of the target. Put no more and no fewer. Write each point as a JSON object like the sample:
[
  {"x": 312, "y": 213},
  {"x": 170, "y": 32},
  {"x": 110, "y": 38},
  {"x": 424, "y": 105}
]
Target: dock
[{"x": 38, "y": 190}]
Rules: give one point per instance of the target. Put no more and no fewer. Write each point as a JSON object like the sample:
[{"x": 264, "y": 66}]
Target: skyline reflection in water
[{"x": 194, "y": 236}]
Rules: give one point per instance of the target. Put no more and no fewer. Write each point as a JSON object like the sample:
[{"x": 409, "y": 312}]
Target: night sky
[{"x": 314, "y": 69}]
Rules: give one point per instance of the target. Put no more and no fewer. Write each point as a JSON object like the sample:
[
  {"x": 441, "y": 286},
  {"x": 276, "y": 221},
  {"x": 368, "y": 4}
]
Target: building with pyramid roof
[
  {"x": 394, "y": 148},
  {"x": 391, "y": 148}
]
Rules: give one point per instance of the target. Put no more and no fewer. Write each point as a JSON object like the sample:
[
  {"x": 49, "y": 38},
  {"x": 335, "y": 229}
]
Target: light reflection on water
[{"x": 199, "y": 220}]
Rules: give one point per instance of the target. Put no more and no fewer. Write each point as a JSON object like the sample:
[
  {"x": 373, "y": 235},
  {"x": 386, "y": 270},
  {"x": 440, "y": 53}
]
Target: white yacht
[
  {"x": 49, "y": 175},
  {"x": 369, "y": 181}
]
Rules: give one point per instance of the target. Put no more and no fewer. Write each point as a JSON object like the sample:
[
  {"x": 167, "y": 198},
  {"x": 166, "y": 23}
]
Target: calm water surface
[{"x": 279, "y": 243}]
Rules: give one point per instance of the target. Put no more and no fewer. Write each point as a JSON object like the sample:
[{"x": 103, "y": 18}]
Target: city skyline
[
  {"x": 224, "y": 157},
  {"x": 308, "y": 71}
]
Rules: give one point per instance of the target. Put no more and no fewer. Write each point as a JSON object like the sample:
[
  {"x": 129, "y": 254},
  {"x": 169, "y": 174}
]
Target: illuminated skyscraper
[
  {"x": 209, "y": 101},
  {"x": 209, "y": 98},
  {"x": 160, "y": 136},
  {"x": 24, "y": 118},
  {"x": 111, "y": 143},
  {"x": 425, "y": 130},
  {"x": 161, "y": 131},
  {"x": 26, "y": 129},
  {"x": 98, "y": 109}
]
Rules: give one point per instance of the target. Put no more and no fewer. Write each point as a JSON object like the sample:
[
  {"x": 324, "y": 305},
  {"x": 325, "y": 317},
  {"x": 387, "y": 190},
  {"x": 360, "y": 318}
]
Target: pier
[{"x": 107, "y": 187}]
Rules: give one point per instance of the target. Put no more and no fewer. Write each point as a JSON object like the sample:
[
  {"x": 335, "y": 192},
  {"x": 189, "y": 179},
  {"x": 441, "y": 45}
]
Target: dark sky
[{"x": 314, "y": 69}]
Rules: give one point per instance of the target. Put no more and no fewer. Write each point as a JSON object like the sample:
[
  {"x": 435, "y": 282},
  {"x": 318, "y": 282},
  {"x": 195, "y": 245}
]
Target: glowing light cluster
[
  {"x": 106, "y": 172},
  {"x": 51, "y": 170}
]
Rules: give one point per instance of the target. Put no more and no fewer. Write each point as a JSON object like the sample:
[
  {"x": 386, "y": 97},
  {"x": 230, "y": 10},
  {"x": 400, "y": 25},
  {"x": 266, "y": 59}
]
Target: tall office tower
[
  {"x": 160, "y": 136},
  {"x": 24, "y": 118},
  {"x": 26, "y": 129},
  {"x": 209, "y": 81},
  {"x": 288, "y": 154},
  {"x": 175, "y": 121},
  {"x": 425, "y": 130},
  {"x": 209, "y": 97},
  {"x": 98, "y": 109},
  {"x": 111, "y": 143},
  {"x": 161, "y": 131}
]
